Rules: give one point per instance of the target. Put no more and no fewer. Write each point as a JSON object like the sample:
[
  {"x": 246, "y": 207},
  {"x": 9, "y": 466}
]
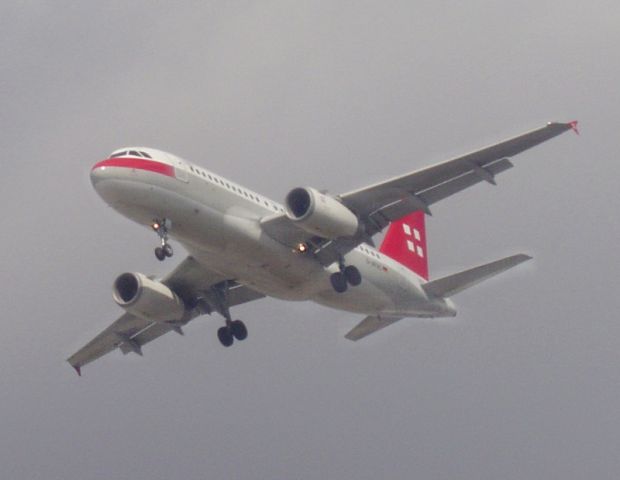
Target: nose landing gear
[{"x": 161, "y": 228}]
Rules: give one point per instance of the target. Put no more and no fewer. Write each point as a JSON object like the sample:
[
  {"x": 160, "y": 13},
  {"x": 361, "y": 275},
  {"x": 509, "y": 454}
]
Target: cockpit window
[{"x": 133, "y": 153}]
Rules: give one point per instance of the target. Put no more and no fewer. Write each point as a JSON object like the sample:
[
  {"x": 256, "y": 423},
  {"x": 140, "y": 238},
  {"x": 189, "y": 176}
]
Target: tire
[
  {"x": 167, "y": 250},
  {"x": 225, "y": 336},
  {"x": 353, "y": 275},
  {"x": 239, "y": 330},
  {"x": 339, "y": 282},
  {"x": 159, "y": 253}
]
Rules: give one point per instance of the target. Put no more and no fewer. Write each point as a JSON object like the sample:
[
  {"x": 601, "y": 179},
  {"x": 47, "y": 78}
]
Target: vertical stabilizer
[{"x": 405, "y": 242}]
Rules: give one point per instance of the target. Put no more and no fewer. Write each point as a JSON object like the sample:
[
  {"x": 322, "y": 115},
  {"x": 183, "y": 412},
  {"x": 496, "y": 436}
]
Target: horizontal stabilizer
[
  {"x": 369, "y": 325},
  {"x": 453, "y": 284}
]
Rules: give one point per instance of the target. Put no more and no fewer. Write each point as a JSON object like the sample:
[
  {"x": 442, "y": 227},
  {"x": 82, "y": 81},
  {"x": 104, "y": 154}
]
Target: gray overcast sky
[{"x": 524, "y": 383}]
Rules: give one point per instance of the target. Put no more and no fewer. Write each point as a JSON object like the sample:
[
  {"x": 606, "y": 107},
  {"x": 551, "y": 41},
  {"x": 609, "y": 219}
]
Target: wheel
[
  {"x": 225, "y": 336},
  {"x": 339, "y": 282},
  {"x": 159, "y": 253},
  {"x": 353, "y": 275},
  {"x": 239, "y": 330},
  {"x": 167, "y": 250}
]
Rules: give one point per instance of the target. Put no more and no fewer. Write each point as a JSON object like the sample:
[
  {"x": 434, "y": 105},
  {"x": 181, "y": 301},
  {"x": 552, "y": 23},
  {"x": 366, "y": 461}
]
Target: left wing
[
  {"x": 190, "y": 281},
  {"x": 377, "y": 205}
]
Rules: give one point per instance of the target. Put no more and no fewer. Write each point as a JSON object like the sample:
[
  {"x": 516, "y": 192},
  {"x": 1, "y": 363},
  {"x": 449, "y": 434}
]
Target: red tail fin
[{"x": 405, "y": 242}]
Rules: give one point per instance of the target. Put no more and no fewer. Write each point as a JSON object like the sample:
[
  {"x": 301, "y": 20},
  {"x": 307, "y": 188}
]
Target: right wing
[{"x": 190, "y": 281}]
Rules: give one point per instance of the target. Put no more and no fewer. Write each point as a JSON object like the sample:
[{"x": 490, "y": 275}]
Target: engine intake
[
  {"x": 146, "y": 298},
  {"x": 320, "y": 214}
]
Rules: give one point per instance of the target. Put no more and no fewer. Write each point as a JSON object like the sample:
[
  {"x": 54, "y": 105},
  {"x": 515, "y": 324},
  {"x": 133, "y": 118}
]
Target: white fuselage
[{"x": 218, "y": 222}]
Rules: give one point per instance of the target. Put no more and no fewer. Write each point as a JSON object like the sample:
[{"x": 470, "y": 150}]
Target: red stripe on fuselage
[{"x": 138, "y": 164}]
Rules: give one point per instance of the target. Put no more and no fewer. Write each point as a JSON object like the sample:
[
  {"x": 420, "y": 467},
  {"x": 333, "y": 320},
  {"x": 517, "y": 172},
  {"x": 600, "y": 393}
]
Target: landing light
[
  {"x": 301, "y": 248},
  {"x": 155, "y": 226}
]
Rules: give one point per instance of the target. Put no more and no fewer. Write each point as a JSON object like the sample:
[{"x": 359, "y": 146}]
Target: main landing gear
[
  {"x": 234, "y": 329},
  {"x": 348, "y": 275},
  {"x": 161, "y": 229}
]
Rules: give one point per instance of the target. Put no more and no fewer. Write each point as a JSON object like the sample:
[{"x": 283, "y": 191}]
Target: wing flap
[
  {"x": 151, "y": 332},
  {"x": 446, "y": 189}
]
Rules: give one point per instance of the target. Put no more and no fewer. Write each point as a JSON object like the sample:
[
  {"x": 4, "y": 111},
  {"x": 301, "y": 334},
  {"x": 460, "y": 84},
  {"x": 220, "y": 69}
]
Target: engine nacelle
[
  {"x": 320, "y": 214},
  {"x": 146, "y": 298}
]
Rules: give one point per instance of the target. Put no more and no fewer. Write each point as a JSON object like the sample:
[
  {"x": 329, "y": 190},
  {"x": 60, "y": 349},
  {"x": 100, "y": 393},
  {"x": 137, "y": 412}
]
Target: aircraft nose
[{"x": 96, "y": 173}]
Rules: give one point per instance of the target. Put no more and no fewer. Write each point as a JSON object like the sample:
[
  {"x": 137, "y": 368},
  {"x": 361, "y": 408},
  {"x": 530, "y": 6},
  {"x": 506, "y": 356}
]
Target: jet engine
[
  {"x": 320, "y": 214},
  {"x": 146, "y": 298}
]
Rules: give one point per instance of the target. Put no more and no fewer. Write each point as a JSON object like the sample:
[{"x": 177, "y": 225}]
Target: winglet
[
  {"x": 573, "y": 126},
  {"x": 78, "y": 369}
]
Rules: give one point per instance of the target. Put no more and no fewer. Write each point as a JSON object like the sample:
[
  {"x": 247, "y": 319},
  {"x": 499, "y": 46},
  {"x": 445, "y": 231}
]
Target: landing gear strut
[
  {"x": 348, "y": 275},
  {"x": 234, "y": 329},
  {"x": 161, "y": 229}
]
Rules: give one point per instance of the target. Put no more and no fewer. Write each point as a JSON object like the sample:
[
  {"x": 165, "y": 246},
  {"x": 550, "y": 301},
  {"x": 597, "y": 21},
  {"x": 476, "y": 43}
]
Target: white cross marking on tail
[{"x": 411, "y": 246}]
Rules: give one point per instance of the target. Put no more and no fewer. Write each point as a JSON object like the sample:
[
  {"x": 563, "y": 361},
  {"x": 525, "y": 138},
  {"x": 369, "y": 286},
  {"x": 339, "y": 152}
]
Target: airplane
[{"x": 242, "y": 246}]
